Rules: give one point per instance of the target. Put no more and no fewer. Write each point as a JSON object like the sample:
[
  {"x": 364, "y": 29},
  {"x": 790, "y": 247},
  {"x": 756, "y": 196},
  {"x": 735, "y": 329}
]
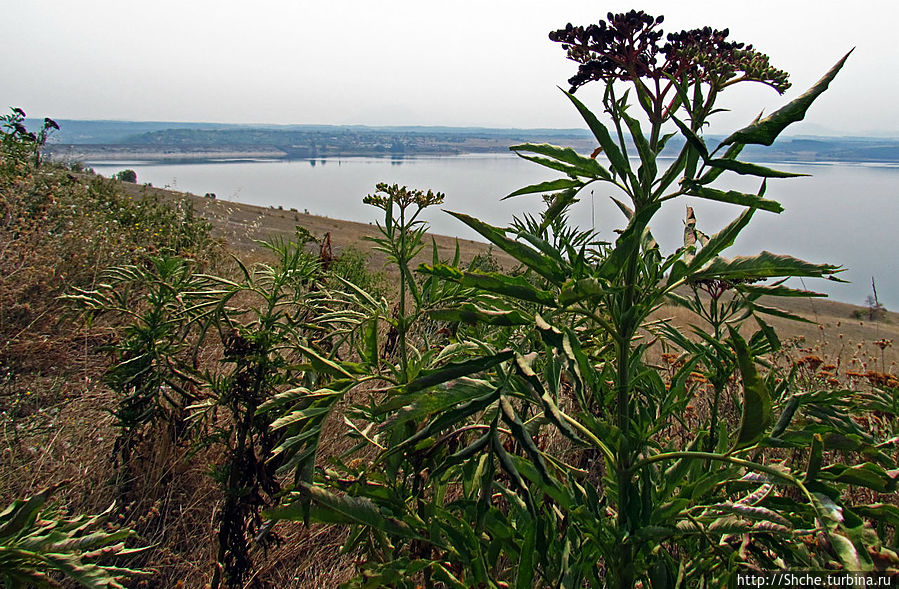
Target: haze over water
[{"x": 843, "y": 214}]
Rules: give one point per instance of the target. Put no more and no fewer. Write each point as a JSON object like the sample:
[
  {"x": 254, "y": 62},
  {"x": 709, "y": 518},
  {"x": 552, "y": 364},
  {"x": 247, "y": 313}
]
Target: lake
[{"x": 843, "y": 214}]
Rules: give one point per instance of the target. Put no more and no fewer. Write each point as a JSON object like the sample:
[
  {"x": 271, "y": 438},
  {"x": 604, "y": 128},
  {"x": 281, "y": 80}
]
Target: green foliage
[
  {"x": 18, "y": 145},
  {"x": 536, "y": 447},
  {"x": 263, "y": 354},
  {"x": 162, "y": 302},
  {"x": 126, "y": 176},
  {"x": 40, "y": 546},
  {"x": 352, "y": 265},
  {"x": 512, "y": 427}
]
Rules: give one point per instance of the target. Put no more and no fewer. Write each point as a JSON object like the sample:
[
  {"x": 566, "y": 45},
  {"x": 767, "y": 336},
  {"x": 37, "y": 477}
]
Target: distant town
[{"x": 127, "y": 140}]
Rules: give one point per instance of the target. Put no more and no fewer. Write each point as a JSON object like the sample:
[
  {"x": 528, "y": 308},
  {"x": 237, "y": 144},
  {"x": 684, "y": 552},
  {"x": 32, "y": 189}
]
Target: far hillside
[{"x": 174, "y": 140}]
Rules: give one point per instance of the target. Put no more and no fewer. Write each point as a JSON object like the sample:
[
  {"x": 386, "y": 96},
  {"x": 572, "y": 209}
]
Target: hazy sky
[{"x": 461, "y": 62}]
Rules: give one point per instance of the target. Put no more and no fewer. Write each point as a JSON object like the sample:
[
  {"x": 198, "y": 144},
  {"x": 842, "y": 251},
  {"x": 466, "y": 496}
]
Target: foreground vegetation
[{"x": 468, "y": 425}]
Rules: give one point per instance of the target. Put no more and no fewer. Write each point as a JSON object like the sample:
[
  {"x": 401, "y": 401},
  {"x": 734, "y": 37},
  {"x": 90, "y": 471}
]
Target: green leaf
[
  {"x": 322, "y": 364},
  {"x": 527, "y": 256},
  {"x": 692, "y": 138},
  {"x": 776, "y": 290},
  {"x": 585, "y": 288},
  {"x": 775, "y": 312},
  {"x": 756, "y": 416},
  {"x": 815, "y": 456},
  {"x": 763, "y": 265},
  {"x": 550, "y": 410},
  {"x": 559, "y": 203},
  {"x": 525, "y": 578},
  {"x": 370, "y": 339},
  {"x": 508, "y": 465},
  {"x": 880, "y": 511},
  {"x": 450, "y": 372},
  {"x": 517, "y": 287},
  {"x": 717, "y": 243},
  {"x": 867, "y": 475},
  {"x": 524, "y": 438},
  {"x": 448, "y": 418},
  {"x": 472, "y": 314},
  {"x": 360, "y": 510},
  {"x": 765, "y": 131},
  {"x": 550, "y": 186},
  {"x": 745, "y": 168},
  {"x": 553, "y": 164},
  {"x": 610, "y": 148},
  {"x": 22, "y": 513},
  {"x": 649, "y": 168},
  {"x": 464, "y": 454},
  {"x": 734, "y": 197},
  {"x": 846, "y": 552},
  {"x": 298, "y": 416},
  {"x": 578, "y": 164},
  {"x": 712, "y": 174},
  {"x": 627, "y": 243}
]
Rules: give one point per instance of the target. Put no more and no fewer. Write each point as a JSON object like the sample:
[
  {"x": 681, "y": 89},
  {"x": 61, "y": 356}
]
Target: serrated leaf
[
  {"x": 746, "y": 168},
  {"x": 450, "y": 372},
  {"x": 549, "y": 186},
  {"x": 472, "y": 314},
  {"x": 514, "y": 286},
  {"x": 764, "y": 265},
  {"x": 734, "y": 197},
  {"x": 765, "y": 131},
  {"x": 576, "y": 163},
  {"x": 360, "y": 510},
  {"x": 534, "y": 260},
  {"x": 867, "y": 475}
]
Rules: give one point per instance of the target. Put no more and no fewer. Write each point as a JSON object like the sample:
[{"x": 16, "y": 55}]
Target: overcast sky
[{"x": 408, "y": 62}]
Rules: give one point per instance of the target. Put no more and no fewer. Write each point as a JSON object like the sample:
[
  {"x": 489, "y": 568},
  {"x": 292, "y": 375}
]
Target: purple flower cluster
[{"x": 628, "y": 47}]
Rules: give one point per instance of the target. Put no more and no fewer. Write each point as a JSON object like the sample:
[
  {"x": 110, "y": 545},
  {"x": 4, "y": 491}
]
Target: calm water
[{"x": 844, "y": 214}]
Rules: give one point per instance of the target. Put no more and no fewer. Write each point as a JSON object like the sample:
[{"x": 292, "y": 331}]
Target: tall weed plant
[{"x": 539, "y": 445}]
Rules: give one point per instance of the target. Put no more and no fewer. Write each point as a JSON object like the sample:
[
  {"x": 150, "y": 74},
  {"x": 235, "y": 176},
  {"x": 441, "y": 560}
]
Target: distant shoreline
[{"x": 787, "y": 153}]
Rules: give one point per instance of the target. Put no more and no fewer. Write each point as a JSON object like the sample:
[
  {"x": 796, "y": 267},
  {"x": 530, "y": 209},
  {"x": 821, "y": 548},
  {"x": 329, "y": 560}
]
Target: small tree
[{"x": 127, "y": 176}]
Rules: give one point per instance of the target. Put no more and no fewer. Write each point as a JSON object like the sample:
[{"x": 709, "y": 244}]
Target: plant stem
[
  {"x": 401, "y": 319},
  {"x": 624, "y": 474}
]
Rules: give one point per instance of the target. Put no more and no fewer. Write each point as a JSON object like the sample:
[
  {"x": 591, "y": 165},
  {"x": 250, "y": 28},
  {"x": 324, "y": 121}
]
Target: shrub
[
  {"x": 126, "y": 176},
  {"x": 352, "y": 265}
]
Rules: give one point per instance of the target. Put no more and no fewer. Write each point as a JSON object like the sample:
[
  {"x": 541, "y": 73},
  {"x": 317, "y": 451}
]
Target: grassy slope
[
  {"x": 61, "y": 430},
  {"x": 834, "y": 332}
]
